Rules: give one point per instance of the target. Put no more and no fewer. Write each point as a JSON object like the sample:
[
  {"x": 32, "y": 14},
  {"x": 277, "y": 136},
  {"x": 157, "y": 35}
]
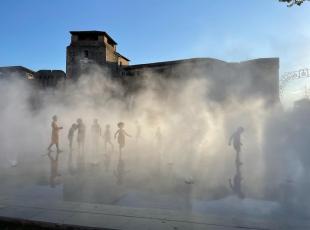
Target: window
[{"x": 85, "y": 53}]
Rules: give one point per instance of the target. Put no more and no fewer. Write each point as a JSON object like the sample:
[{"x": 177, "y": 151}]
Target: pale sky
[{"x": 35, "y": 33}]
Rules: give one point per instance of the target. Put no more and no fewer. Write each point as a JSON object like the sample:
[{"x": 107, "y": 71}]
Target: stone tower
[{"x": 92, "y": 47}]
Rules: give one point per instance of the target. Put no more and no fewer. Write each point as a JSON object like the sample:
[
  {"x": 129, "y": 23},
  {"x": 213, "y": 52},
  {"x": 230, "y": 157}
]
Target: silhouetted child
[
  {"x": 235, "y": 185},
  {"x": 81, "y": 135},
  {"x": 107, "y": 139},
  {"x": 71, "y": 135},
  {"x": 96, "y": 133},
  {"x": 236, "y": 139},
  {"x": 121, "y": 133},
  {"x": 55, "y": 134}
]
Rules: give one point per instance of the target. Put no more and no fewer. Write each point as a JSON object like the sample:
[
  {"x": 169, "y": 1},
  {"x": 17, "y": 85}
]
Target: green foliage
[{"x": 293, "y": 2}]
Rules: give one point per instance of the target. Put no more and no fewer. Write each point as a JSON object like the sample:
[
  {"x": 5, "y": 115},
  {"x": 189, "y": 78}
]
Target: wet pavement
[{"x": 62, "y": 190}]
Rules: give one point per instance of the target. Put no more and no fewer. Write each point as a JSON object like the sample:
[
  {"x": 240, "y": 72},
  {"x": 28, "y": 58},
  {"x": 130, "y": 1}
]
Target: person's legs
[
  {"x": 83, "y": 147},
  {"x": 50, "y": 146},
  {"x": 96, "y": 145},
  {"x": 57, "y": 147},
  {"x": 112, "y": 146},
  {"x": 70, "y": 144},
  {"x": 79, "y": 148}
]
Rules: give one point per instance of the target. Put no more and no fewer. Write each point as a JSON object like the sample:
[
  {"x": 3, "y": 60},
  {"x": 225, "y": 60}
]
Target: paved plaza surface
[{"x": 92, "y": 195}]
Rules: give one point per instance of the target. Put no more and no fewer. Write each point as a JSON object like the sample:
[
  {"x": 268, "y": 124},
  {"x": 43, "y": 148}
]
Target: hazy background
[
  {"x": 195, "y": 130},
  {"x": 35, "y": 33}
]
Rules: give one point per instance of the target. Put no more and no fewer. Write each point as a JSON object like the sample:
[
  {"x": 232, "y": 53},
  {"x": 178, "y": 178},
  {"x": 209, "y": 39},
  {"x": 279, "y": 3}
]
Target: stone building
[
  {"x": 49, "y": 78},
  {"x": 92, "y": 47},
  {"x": 16, "y": 71},
  {"x": 252, "y": 78},
  {"x": 258, "y": 78}
]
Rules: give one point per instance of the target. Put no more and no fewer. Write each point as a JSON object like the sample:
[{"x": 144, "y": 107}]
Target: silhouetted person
[
  {"x": 236, "y": 140},
  {"x": 121, "y": 133},
  {"x": 54, "y": 169},
  {"x": 96, "y": 133},
  {"x": 81, "y": 135},
  {"x": 107, "y": 139},
  {"x": 235, "y": 185},
  {"x": 55, "y": 134},
  {"x": 71, "y": 135}
]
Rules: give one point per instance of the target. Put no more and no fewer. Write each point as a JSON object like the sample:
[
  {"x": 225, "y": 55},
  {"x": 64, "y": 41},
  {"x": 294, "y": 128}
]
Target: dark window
[
  {"x": 88, "y": 37},
  {"x": 86, "y": 53}
]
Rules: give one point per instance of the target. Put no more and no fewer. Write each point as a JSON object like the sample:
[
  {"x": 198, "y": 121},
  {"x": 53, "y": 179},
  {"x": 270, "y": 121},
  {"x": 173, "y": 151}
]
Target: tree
[{"x": 293, "y": 2}]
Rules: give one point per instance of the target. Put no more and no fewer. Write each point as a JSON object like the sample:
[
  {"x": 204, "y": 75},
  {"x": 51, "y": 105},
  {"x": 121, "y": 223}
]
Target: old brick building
[
  {"x": 252, "y": 78},
  {"x": 16, "y": 71},
  {"x": 92, "y": 47}
]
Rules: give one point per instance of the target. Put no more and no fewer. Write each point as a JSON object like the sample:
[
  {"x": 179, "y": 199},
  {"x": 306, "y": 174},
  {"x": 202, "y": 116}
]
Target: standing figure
[
  {"x": 55, "y": 135},
  {"x": 81, "y": 135},
  {"x": 71, "y": 135},
  {"x": 236, "y": 184},
  {"x": 96, "y": 133},
  {"x": 236, "y": 139},
  {"x": 121, "y": 133},
  {"x": 107, "y": 139}
]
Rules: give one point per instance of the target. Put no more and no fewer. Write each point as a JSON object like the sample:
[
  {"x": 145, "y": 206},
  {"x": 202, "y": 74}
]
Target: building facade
[
  {"x": 89, "y": 48},
  {"x": 252, "y": 78}
]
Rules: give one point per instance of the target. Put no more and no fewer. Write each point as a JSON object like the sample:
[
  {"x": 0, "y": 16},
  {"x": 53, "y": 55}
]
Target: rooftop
[{"x": 93, "y": 32}]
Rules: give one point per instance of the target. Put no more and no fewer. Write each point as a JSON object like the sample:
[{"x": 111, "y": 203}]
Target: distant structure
[
  {"x": 41, "y": 78},
  {"x": 16, "y": 71},
  {"x": 253, "y": 78},
  {"x": 258, "y": 78},
  {"x": 92, "y": 47}
]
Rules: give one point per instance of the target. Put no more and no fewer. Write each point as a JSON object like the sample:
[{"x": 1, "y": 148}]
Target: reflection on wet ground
[{"x": 124, "y": 180}]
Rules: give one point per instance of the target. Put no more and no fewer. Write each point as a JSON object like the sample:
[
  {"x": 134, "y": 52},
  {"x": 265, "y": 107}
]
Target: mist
[{"x": 192, "y": 150}]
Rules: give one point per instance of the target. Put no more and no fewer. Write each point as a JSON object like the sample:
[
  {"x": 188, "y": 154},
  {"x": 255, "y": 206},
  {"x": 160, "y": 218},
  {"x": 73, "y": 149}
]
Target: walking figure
[
  {"x": 236, "y": 140},
  {"x": 235, "y": 185},
  {"x": 96, "y": 133},
  {"x": 121, "y": 133},
  {"x": 81, "y": 136},
  {"x": 71, "y": 135},
  {"x": 55, "y": 134},
  {"x": 107, "y": 139}
]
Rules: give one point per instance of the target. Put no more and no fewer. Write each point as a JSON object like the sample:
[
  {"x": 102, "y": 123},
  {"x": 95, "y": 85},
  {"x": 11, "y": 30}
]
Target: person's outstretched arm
[{"x": 128, "y": 135}]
